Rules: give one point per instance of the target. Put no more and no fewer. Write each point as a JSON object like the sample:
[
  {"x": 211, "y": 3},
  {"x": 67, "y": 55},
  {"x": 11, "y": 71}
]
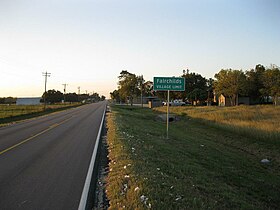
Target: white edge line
[{"x": 83, "y": 200}]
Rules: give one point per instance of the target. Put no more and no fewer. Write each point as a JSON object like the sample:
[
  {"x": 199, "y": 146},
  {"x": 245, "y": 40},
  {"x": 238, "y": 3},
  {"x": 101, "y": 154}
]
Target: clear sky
[{"x": 87, "y": 43}]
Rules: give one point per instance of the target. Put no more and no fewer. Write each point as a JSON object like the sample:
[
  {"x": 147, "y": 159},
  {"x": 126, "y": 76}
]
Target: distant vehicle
[{"x": 175, "y": 103}]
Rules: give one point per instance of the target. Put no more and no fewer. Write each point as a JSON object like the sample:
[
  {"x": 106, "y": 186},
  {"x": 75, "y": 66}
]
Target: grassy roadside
[
  {"x": 199, "y": 167},
  {"x": 13, "y": 113},
  {"x": 263, "y": 119},
  {"x": 260, "y": 124}
]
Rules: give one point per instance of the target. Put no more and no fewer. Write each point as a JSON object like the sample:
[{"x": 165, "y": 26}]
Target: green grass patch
[
  {"x": 199, "y": 167},
  {"x": 13, "y": 113}
]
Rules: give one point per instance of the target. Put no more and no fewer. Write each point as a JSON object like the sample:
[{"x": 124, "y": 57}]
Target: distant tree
[
  {"x": 161, "y": 94},
  {"x": 210, "y": 93},
  {"x": 197, "y": 95},
  {"x": 53, "y": 96},
  {"x": 148, "y": 88},
  {"x": 94, "y": 97},
  {"x": 196, "y": 88},
  {"x": 230, "y": 83},
  {"x": 128, "y": 85},
  {"x": 103, "y": 98},
  {"x": 141, "y": 86},
  {"x": 71, "y": 97},
  {"x": 255, "y": 84},
  {"x": 115, "y": 95},
  {"x": 83, "y": 97},
  {"x": 10, "y": 100},
  {"x": 271, "y": 82}
]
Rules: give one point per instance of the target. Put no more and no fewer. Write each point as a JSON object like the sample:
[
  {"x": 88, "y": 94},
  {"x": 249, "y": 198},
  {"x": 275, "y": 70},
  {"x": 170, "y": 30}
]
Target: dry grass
[
  {"x": 16, "y": 110},
  {"x": 260, "y": 120},
  {"x": 12, "y": 113}
]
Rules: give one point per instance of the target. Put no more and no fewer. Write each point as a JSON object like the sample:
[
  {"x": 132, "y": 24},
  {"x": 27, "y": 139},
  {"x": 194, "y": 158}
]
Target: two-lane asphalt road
[{"x": 44, "y": 161}]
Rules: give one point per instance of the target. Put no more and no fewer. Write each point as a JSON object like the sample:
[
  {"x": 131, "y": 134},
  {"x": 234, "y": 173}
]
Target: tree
[
  {"x": 230, "y": 83},
  {"x": 255, "y": 84},
  {"x": 128, "y": 85},
  {"x": 148, "y": 88},
  {"x": 161, "y": 94},
  {"x": 94, "y": 97},
  {"x": 71, "y": 97},
  {"x": 271, "y": 82},
  {"x": 53, "y": 96},
  {"x": 196, "y": 88},
  {"x": 8, "y": 100},
  {"x": 210, "y": 93},
  {"x": 115, "y": 95},
  {"x": 197, "y": 95},
  {"x": 83, "y": 97}
]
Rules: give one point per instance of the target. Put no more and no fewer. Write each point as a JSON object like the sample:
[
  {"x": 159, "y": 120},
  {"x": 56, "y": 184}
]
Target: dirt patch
[{"x": 163, "y": 118}]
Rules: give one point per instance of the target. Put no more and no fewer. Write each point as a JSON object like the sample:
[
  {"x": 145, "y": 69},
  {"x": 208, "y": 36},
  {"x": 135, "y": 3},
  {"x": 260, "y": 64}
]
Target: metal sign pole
[
  {"x": 169, "y": 84},
  {"x": 167, "y": 115}
]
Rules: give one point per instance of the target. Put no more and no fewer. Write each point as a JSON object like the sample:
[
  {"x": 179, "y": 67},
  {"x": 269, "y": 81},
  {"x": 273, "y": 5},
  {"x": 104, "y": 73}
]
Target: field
[
  {"x": 258, "y": 122},
  {"x": 205, "y": 163},
  {"x": 11, "y": 113}
]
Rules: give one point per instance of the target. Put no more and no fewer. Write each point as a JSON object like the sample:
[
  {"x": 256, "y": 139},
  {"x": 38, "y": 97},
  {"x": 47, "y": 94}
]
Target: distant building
[
  {"x": 28, "y": 101},
  {"x": 225, "y": 101}
]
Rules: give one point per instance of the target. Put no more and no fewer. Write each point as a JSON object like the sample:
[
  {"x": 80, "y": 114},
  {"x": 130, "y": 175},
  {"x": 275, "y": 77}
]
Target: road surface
[{"x": 44, "y": 161}]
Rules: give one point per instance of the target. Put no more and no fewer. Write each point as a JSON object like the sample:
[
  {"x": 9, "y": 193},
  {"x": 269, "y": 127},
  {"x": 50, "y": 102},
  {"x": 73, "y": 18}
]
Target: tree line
[
  {"x": 260, "y": 84},
  {"x": 8, "y": 100},
  {"x": 55, "y": 96}
]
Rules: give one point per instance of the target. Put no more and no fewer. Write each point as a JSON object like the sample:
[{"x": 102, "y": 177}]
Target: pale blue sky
[{"x": 88, "y": 43}]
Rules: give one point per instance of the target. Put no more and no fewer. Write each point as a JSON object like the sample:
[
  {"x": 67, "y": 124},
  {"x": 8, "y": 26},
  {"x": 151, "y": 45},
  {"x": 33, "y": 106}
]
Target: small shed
[{"x": 225, "y": 101}]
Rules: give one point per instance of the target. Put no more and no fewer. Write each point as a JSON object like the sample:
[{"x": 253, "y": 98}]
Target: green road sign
[{"x": 169, "y": 83}]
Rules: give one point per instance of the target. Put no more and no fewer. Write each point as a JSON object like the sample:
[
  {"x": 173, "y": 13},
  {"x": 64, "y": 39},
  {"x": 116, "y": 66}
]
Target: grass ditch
[
  {"x": 14, "y": 113},
  {"x": 200, "y": 166}
]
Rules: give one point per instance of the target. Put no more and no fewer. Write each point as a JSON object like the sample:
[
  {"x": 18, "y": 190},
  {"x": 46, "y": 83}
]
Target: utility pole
[
  {"x": 64, "y": 91},
  {"x": 141, "y": 83},
  {"x": 167, "y": 115},
  {"x": 46, "y": 75},
  {"x": 79, "y": 89}
]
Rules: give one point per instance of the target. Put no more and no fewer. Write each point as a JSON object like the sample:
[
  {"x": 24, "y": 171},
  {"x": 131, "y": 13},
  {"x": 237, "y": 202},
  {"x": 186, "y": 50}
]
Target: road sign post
[
  {"x": 167, "y": 114},
  {"x": 169, "y": 84}
]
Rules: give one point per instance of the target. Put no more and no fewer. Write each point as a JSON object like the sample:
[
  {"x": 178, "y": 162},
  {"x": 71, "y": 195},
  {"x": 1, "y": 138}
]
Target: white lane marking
[{"x": 83, "y": 200}]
